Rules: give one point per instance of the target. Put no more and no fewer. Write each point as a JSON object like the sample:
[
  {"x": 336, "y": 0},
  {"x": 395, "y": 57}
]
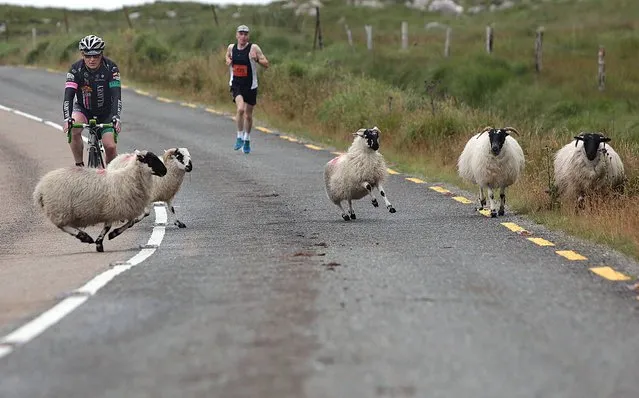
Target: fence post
[
  {"x": 404, "y": 35},
  {"x": 447, "y": 43},
  {"x": 66, "y": 21},
  {"x": 349, "y": 35},
  {"x": 126, "y": 15},
  {"x": 369, "y": 36},
  {"x": 538, "y": 48},
  {"x": 4, "y": 28},
  {"x": 214, "y": 15},
  {"x": 489, "y": 39},
  {"x": 602, "y": 68},
  {"x": 318, "y": 30}
]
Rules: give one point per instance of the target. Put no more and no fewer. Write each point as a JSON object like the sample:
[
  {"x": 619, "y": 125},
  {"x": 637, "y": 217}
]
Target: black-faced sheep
[
  {"x": 587, "y": 166},
  {"x": 354, "y": 174},
  {"x": 178, "y": 162},
  {"x": 78, "y": 197},
  {"x": 493, "y": 160}
]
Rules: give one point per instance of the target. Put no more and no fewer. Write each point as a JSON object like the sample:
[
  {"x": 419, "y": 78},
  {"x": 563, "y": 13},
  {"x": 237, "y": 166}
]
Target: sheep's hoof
[
  {"x": 84, "y": 237},
  {"x": 391, "y": 209},
  {"x": 501, "y": 212},
  {"x": 493, "y": 214},
  {"x": 179, "y": 224},
  {"x": 99, "y": 247},
  {"x": 353, "y": 216},
  {"x": 375, "y": 203},
  {"x": 114, "y": 234},
  {"x": 346, "y": 217},
  {"x": 479, "y": 208}
]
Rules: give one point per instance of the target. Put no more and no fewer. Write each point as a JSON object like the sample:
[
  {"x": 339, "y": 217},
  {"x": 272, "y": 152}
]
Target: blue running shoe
[
  {"x": 247, "y": 146},
  {"x": 238, "y": 143}
]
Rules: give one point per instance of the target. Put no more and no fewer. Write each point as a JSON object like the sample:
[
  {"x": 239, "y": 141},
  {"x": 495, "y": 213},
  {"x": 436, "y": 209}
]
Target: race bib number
[{"x": 240, "y": 70}]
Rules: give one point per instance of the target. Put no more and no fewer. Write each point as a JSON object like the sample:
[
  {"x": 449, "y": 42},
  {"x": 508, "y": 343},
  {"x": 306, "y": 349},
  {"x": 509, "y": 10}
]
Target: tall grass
[{"x": 426, "y": 105}]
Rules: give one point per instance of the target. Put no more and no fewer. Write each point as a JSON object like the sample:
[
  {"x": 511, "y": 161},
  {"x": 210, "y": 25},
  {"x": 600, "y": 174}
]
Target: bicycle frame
[{"x": 95, "y": 148}]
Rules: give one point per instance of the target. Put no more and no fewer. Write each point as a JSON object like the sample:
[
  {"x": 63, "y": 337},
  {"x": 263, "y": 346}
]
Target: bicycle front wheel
[{"x": 95, "y": 160}]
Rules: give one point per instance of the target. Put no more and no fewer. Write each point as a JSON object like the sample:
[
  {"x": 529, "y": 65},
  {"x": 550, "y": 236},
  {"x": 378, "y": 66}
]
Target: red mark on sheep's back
[
  {"x": 101, "y": 171},
  {"x": 334, "y": 160}
]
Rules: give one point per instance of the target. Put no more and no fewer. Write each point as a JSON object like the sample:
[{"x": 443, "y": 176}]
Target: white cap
[{"x": 243, "y": 28}]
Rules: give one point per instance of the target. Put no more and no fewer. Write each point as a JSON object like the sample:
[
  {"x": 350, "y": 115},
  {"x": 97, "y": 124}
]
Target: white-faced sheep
[
  {"x": 587, "y": 166},
  {"x": 353, "y": 175},
  {"x": 78, "y": 197},
  {"x": 178, "y": 162},
  {"x": 493, "y": 160}
]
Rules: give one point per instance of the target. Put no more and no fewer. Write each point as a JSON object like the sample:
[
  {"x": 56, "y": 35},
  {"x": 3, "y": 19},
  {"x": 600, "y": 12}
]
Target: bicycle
[{"x": 95, "y": 147}]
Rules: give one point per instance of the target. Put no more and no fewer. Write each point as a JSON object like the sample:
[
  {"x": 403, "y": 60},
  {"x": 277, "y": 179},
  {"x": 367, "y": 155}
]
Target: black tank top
[{"x": 241, "y": 68}]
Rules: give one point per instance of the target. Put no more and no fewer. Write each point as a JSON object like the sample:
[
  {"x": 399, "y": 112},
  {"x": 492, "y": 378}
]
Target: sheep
[
  {"x": 588, "y": 166},
  {"x": 353, "y": 175},
  {"x": 78, "y": 197},
  {"x": 178, "y": 162},
  {"x": 492, "y": 161}
]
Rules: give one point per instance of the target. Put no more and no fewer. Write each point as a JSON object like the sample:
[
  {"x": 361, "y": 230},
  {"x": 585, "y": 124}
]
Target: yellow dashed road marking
[
  {"x": 415, "y": 180},
  {"x": 512, "y": 226},
  {"x": 485, "y": 212},
  {"x": 263, "y": 129},
  {"x": 337, "y": 153},
  {"x": 610, "y": 274},
  {"x": 164, "y": 99},
  {"x": 541, "y": 242},
  {"x": 311, "y": 146},
  {"x": 391, "y": 171},
  {"x": 125, "y": 86},
  {"x": 141, "y": 92},
  {"x": 211, "y": 110},
  {"x": 462, "y": 199},
  {"x": 571, "y": 255},
  {"x": 286, "y": 137},
  {"x": 439, "y": 189},
  {"x": 51, "y": 70},
  {"x": 188, "y": 104}
]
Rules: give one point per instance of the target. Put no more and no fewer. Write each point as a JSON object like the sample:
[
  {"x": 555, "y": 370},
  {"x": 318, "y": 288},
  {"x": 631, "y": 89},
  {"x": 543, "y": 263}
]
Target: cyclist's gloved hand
[
  {"x": 116, "y": 124},
  {"x": 67, "y": 124}
]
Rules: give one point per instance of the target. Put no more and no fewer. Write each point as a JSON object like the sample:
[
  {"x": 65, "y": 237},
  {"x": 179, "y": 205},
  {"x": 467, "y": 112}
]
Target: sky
[{"x": 112, "y": 4}]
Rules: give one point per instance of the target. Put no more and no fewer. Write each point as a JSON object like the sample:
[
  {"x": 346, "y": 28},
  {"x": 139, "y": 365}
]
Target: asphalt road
[{"x": 268, "y": 293}]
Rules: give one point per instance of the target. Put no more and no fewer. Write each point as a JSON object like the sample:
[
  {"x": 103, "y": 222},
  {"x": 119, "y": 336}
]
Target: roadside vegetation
[{"x": 426, "y": 105}]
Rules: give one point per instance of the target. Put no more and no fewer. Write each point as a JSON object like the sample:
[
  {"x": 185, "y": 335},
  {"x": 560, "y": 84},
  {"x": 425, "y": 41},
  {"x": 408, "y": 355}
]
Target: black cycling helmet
[{"x": 92, "y": 45}]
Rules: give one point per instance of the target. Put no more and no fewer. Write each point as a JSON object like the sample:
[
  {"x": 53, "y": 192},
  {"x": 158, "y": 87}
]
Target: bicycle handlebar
[{"x": 89, "y": 125}]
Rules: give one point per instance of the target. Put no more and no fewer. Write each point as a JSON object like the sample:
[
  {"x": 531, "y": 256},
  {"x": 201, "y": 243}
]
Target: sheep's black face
[
  {"x": 591, "y": 143},
  {"x": 155, "y": 163},
  {"x": 497, "y": 138},
  {"x": 372, "y": 138},
  {"x": 183, "y": 156}
]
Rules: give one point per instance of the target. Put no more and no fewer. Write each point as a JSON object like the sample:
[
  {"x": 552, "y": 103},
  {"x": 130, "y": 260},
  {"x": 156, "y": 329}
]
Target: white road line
[
  {"x": 54, "y": 125},
  {"x": 28, "y": 116},
  {"x": 35, "y": 327}
]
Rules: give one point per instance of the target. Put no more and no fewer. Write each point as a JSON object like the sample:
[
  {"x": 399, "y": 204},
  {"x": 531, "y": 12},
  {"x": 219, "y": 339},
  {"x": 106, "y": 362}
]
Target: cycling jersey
[
  {"x": 243, "y": 69},
  {"x": 97, "y": 93}
]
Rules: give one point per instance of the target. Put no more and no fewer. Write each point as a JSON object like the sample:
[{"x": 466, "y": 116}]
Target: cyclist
[
  {"x": 242, "y": 58},
  {"x": 94, "y": 81}
]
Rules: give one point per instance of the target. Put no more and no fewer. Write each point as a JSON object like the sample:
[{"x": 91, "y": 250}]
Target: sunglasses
[
  {"x": 243, "y": 33},
  {"x": 92, "y": 56}
]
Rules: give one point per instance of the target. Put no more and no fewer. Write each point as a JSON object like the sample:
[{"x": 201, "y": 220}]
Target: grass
[{"x": 426, "y": 105}]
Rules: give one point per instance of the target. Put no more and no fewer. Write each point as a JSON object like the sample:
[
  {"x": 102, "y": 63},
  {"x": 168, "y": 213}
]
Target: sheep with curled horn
[
  {"x": 588, "y": 166},
  {"x": 493, "y": 161}
]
